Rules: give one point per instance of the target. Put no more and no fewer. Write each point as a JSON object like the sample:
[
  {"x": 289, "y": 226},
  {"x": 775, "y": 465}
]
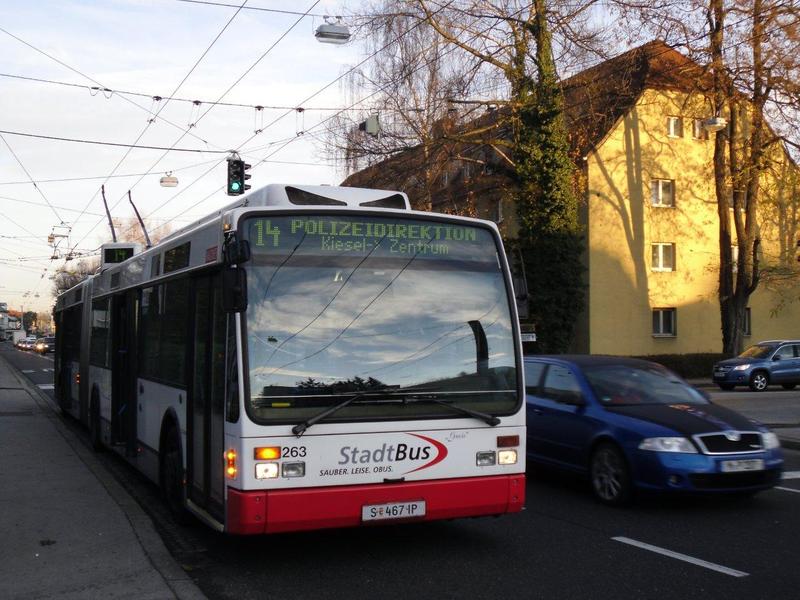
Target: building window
[
  {"x": 698, "y": 131},
  {"x": 746, "y": 328},
  {"x": 663, "y": 257},
  {"x": 662, "y": 192},
  {"x": 664, "y": 322},
  {"x": 675, "y": 127}
]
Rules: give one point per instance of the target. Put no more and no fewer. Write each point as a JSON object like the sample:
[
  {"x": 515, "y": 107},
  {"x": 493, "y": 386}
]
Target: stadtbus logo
[{"x": 430, "y": 451}]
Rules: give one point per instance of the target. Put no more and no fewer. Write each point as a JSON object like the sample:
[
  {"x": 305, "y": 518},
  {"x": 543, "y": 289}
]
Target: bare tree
[
  {"x": 405, "y": 90},
  {"x": 73, "y": 273}
]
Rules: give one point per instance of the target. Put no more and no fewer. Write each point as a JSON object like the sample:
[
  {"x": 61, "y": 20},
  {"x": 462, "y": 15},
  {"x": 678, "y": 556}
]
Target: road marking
[
  {"x": 28, "y": 371},
  {"x": 683, "y": 557},
  {"x": 791, "y": 474},
  {"x": 777, "y": 487},
  {"x": 46, "y": 386},
  {"x": 47, "y": 370}
]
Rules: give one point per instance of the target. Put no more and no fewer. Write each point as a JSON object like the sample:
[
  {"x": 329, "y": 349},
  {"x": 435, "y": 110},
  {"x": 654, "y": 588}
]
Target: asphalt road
[{"x": 564, "y": 545}]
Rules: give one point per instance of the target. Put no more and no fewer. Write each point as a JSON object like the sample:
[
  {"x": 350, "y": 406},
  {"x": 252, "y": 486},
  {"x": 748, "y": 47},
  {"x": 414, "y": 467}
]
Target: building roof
[{"x": 595, "y": 99}]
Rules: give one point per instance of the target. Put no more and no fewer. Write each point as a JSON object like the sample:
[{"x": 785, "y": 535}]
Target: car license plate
[
  {"x": 750, "y": 464},
  {"x": 393, "y": 510}
]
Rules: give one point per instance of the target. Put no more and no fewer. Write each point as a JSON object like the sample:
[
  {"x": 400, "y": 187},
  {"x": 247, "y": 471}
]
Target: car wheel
[
  {"x": 789, "y": 386},
  {"x": 759, "y": 381},
  {"x": 610, "y": 477},
  {"x": 172, "y": 477},
  {"x": 726, "y": 386}
]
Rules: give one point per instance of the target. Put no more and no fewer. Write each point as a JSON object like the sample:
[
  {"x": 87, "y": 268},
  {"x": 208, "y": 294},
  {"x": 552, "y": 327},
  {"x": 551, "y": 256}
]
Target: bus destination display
[{"x": 342, "y": 235}]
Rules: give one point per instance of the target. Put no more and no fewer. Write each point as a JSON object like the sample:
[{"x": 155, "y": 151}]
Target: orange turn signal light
[
  {"x": 267, "y": 453},
  {"x": 230, "y": 464},
  {"x": 507, "y": 441}
]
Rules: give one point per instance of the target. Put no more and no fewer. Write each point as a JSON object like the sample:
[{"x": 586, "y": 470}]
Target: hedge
[{"x": 688, "y": 366}]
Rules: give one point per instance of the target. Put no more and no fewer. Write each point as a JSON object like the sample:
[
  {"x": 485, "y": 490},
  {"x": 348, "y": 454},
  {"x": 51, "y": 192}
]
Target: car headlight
[
  {"x": 771, "y": 440},
  {"x": 668, "y": 444},
  {"x": 741, "y": 367}
]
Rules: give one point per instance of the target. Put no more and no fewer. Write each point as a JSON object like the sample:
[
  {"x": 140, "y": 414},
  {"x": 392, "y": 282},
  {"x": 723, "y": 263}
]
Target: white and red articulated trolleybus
[{"x": 307, "y": 357}]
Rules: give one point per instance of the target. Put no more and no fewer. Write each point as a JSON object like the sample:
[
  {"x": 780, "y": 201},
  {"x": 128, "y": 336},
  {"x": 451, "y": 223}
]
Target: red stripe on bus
[
  {"x": 438, "y": 458},
  {"x": 275, "y": 511}
]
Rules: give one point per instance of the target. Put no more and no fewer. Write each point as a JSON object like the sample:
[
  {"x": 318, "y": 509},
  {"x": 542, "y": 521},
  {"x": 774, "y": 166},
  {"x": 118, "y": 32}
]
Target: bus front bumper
[{"x": 276, "y": 511}]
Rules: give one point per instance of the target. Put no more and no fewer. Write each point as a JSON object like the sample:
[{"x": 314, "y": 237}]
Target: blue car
[
  {"x": 634, "y": 425},
  {"x": 774, "y": 361}
]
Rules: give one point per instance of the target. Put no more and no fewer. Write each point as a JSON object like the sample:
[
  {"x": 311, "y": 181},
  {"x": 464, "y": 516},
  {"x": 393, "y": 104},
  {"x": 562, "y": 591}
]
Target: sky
[{"x": 149, "y": 47}]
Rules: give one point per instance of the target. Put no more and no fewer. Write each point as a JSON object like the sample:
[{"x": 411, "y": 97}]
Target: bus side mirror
[
  {"x": 236, "y": 252},
  {"x": 234, "y": 290},
  {"x": 519, "y": 281}
]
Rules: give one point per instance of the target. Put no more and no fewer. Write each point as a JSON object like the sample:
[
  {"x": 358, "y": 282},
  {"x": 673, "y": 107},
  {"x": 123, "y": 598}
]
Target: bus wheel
[
  {"x": 172, "y": 477},
  {"x": 94, "y": 423}
]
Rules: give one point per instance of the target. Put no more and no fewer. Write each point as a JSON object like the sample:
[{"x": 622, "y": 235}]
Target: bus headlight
[
  {"x": 295, "y": 469},
  {"x": 486, "y": 458},
  {"x": 507, "y": 457},
  {"x": 266, "y": 470}
]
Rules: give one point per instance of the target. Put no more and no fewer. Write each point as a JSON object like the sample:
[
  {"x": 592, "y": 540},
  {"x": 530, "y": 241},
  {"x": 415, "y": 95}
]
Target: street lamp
[
  {"x": 332, "y": 32},
  {"x": 168, "y": 180}
]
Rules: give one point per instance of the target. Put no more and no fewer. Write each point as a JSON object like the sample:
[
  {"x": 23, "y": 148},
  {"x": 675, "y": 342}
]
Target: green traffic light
[{"x": 235, "y": 186}]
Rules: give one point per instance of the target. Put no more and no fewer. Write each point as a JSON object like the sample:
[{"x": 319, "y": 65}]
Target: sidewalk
[{"x": 69, "y": 530}]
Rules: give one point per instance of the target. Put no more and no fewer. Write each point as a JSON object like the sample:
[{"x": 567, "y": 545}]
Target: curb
[{"x": 176, "y": 579}]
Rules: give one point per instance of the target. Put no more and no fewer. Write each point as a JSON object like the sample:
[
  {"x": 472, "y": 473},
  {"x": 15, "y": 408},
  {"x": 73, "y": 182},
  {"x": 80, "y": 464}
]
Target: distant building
[{"x": 650, "y": 212}]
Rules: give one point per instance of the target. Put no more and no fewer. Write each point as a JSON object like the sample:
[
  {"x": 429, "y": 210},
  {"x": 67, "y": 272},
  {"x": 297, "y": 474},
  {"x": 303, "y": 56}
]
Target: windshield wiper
[
  {"x": 482, "y": 416},
  {"x": 300, "y": 428}
]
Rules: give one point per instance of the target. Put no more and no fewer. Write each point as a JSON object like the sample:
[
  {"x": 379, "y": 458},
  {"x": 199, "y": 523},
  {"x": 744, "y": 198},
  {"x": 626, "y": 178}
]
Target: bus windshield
[{"x": 389, "y": 308}]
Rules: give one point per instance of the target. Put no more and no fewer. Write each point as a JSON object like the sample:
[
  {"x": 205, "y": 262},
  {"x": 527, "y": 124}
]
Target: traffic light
[{"x": 237, "y": 175}]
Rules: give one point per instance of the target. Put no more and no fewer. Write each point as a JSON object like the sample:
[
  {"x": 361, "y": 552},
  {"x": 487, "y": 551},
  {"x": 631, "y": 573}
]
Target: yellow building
[
  {"x": 650, "y": 212},
  {"x": 652, "y": 225}
]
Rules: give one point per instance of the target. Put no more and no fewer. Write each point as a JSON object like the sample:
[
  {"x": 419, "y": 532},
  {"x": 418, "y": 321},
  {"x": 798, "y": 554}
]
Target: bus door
[
  {"x": 205, "y": 422},
  {"x": 123, "y": 371}
]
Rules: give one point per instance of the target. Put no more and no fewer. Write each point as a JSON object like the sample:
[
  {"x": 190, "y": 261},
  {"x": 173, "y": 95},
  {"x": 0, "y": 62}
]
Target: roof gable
[{"x": 595, "y": 99}]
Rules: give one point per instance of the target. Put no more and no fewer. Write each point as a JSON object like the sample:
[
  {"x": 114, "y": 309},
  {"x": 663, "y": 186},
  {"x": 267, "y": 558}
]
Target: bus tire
[
  {"x": 95, "y": 438},
  {"x": 172, "y": 479}
]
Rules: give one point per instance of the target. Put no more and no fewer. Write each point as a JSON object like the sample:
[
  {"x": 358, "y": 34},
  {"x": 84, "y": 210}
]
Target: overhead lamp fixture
[
  {"x": 332, "y": 32},
  {"x": 169, "y": 180},
  {"x": 715, "y": 124}
]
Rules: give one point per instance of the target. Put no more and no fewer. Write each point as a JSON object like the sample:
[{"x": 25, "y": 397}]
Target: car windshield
[
  {"x": 631, "y": 385},
  {"x": 758, "y": 351},
  {"x": 385, "y": 307}
]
